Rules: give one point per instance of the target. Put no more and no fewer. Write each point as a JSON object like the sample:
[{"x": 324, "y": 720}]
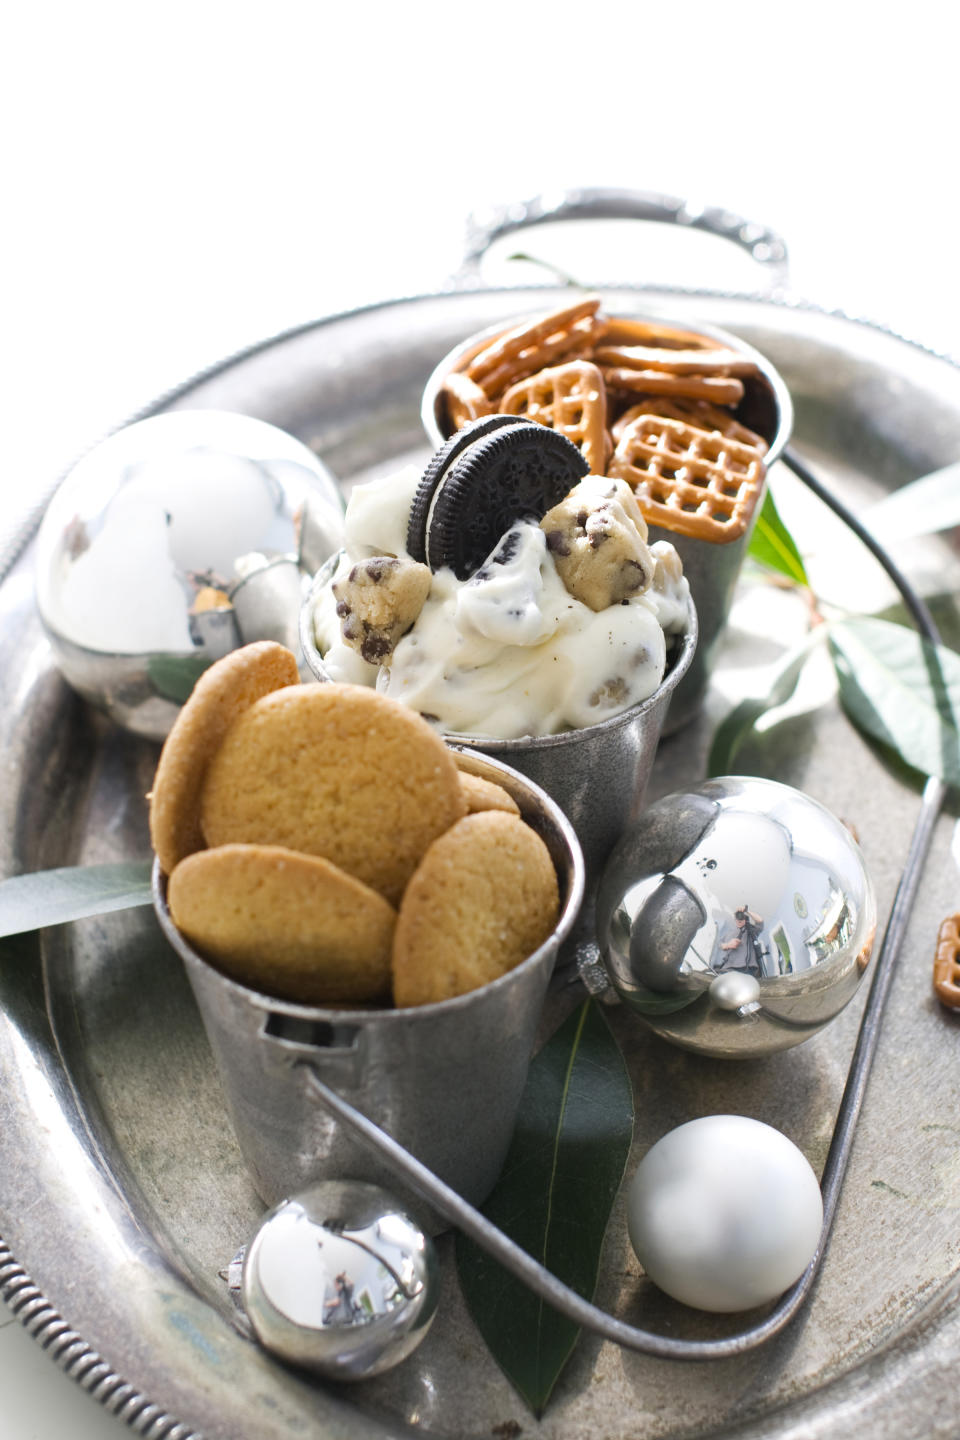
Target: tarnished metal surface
[{"x": 122, "y": 1191}]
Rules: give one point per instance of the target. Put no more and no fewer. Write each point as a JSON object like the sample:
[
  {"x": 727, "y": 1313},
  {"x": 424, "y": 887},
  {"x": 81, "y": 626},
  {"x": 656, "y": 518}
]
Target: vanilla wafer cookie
[
  {"x": 483, "y": 898},
  {"x": 720, "y": 389},
  {"x": 334, "y": 770},
  {"x": 946, "y": 964},
  {"x": 692, "y": 482},
  {"x": 284, "y": 923},
  {"x": 570, "y": 398},
  {"x": 532, "y": 345},
  {"x": 483, "y": 794},
  {"x": 699, "y": 413},
  {"x": 221, "y": 694}
]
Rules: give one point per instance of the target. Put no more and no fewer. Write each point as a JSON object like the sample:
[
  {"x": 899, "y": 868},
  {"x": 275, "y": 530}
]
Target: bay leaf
[
  {"x": 174, "y": 676},
  {"x": 902, "y": 691},
  {"x": 771, "y": 543},
  {"x": 51, "y": 897},
  {"x": 922, "y": 507},
  {"x": 736, "y": 726},
  {"x": 554, "y": 1197}
]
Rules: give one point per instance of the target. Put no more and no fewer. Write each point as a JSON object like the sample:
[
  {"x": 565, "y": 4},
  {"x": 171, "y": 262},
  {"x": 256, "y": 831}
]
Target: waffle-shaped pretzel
[
  {"x": 531, "y": 346},
  {"x": 570, "y": 398},
  {"x": 946, "y": 964},
  {"x": 464, "y": 399},
  {"x": 675, "y": 362},
  {"x": 699, "y": 413},
  {"x": 721, "y": 389},
  {"x": 693, "y": 482}
]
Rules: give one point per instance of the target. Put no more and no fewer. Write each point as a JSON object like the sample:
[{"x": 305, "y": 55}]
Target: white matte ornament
[{"x": 724, "y": 1213}]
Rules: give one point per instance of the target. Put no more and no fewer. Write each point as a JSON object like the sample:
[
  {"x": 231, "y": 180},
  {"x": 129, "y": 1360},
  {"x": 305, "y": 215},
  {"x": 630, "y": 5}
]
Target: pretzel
[
  {"x": 570, "y": 398},
  {"x": 464, "y": 399},
  {"x": 624, "y": 331},
  {"x": 946, "y": 963},
  {"x": 675, "y": 362},
  {"x": 721, "y": 389},
  {"x": 567, "y": 345},
  {"x": 530, "y": 346},
  {"x": 693, "y": 482},
  {"x": 693, "y": 412}
]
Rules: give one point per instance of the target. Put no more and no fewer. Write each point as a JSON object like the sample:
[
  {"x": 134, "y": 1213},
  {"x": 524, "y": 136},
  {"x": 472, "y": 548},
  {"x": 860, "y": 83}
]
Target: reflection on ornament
[
  {"x": 340, "y": 1280},
  {"x": 741, "y": 901},
  {"x": 172, "y": 542}
]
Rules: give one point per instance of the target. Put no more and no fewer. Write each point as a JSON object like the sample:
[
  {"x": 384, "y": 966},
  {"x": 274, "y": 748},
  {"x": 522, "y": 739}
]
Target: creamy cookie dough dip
[{"x": 568, "y": 621}]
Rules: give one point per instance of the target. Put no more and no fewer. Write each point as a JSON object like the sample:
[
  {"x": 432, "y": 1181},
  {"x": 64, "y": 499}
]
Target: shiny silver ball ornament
[
  {"x": 175, "y": 540},
  {"x": 340, "y": 1280},
  {"x": 737, "y": 919}
]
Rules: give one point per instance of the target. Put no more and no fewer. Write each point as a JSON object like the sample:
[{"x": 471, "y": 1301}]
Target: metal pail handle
[{"x": 763, "y": 245}]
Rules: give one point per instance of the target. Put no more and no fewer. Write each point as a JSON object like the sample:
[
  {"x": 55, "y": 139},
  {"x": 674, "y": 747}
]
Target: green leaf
[
  {"x": 174, "y": 676},
  {"x": 50, "y": 897},
  {"x": 772, "y": 544},
  {"x": 921, "y": 508},
  {"x": 554, "y": 1196},
  {"x": 902, "y": 691},
  {"x": 733, "y": 730}
]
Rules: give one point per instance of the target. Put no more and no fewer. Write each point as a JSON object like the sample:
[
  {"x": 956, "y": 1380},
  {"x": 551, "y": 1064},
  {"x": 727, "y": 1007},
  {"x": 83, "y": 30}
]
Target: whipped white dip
[{"x": 508, "y": 652}]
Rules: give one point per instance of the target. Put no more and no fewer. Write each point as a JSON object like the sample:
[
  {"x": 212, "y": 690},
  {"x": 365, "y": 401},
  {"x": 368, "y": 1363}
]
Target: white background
[{"x": 182, "y": 179}]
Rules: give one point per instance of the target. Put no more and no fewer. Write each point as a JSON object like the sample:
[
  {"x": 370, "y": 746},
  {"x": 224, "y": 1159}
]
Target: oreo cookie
[
  {"x": 459, "y": 441},
  {"x": 489, "y": 475}
]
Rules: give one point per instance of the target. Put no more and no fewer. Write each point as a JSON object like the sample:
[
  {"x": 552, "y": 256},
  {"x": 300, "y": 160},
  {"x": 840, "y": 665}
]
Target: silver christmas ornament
[
  {"x": 736, "y": 919},
  {"x": 172, "y": 542},
  {"x": 340, "y": 1280}
]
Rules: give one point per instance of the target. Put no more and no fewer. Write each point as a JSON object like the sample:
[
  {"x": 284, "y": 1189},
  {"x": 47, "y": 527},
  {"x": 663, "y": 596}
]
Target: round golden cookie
[
  {"x": 338, "y": 771},
  {"x": 221, "y": 694},
  {"x": 286, "y": 924},
  {"x": 483, "y": 794},
  {"x": 483, "y": 898}
]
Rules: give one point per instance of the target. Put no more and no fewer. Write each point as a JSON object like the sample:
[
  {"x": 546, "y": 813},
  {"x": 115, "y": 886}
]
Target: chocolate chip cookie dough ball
[
  {"x": 597, "y": 537},
  {"x": 377, "y": 602}
]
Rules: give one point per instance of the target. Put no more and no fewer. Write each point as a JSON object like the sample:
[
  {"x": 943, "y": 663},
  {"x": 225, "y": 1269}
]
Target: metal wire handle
[
  {"x": 545, "y": 1284},
  {"x": 762, "y": 244}
]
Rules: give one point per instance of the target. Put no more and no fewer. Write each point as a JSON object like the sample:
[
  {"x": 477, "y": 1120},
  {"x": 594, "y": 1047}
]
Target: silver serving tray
[{"x": 122, "y": 1193}]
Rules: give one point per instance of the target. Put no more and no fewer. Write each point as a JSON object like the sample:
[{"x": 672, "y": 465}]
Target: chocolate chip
[{"x": 374, "y": 646}]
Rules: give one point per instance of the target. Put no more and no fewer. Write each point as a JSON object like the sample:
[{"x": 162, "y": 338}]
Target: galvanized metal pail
[{"x": 444, "y": 1080}]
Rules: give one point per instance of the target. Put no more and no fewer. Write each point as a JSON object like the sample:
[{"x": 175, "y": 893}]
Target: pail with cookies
[
  {"x": 512, "y": 598},
  {"x": 353, "y": 897},
  {"x": 689, "y": 418}
]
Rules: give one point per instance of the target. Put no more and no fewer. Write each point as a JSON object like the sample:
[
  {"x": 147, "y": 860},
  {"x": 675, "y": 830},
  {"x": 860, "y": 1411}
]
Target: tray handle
[{"x": 762, "y": 244}]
